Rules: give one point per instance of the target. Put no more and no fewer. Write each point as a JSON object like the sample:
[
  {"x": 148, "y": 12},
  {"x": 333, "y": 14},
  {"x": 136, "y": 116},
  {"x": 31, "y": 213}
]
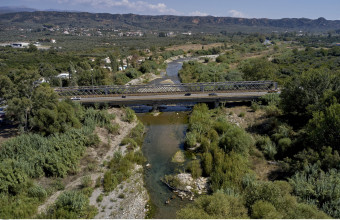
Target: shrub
[
  {"x": 113, "y": 128},
  {"x": 86, "y": 181},
  {"x": 267, "y": 146},
  {"x": 130, "y": 115},
  {"x": 264, "y": 210},
  {"x": 235, "y": 139},
  {"x": 121, "y": 196},
  {"x": 71, "y": 204},
  {"x": 100, "y": 198},
  {"x": 110, "y": 181},
  {"x": 272, "y": 111},
  {"x": 37, "y": 192},
  {"x": 12, "y": 177},
  {"x": 195, "y": 169},
  {"x": 217, "y": 206},
  {"x": 242, "y": 114},
  {"x": 190, "y": 139}
]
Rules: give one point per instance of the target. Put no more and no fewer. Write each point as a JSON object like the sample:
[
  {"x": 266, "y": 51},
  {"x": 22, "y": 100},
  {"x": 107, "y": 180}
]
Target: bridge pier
[
  {"x": 214, "y": 104},
  {"x": 154, "y": 108}
]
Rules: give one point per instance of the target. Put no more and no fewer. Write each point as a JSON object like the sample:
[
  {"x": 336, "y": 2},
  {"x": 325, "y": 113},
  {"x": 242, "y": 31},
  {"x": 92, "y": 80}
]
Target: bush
[
  {"x": 12, "y": 177},
  {"x": 314, "y": 186},
  {"x": 235, "y": 139},
  {"x": 195, "y": 169},
  {"x": 267, "y": 146},
  {"x": 86, "y": 181},
  {"x": 130, "y": 115},
  {"x": 110, "y": 181},
  {"x": 216, "y": 206},
  {"x": 37, "y": 191},
  {"x": 71, "y": 204},
  {"x": 264, "y": 210}
]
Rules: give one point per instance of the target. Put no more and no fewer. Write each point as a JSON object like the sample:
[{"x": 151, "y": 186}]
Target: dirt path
[{"x": 114, "y": 145}]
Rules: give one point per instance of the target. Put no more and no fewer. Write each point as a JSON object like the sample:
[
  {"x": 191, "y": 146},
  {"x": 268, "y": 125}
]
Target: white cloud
[
  {"x": 138, "y": 6},
  {"x": 238, "y": 14},
  {"x": 198, "y": 13}
]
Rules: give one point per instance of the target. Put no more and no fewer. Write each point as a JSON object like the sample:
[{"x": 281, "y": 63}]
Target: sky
[{"x": 274, "y": 9}]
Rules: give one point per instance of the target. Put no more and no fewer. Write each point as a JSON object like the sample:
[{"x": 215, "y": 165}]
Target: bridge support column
[
  {"x": 216, "y": 104},
  {"x": 213, "y": 105},
  {"x": 154, "y": 108}
]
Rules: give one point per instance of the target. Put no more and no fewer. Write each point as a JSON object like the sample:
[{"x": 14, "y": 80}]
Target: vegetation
[{"x": 299, "y": 133}]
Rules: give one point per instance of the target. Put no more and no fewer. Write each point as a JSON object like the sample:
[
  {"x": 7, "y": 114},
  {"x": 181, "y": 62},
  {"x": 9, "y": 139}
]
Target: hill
[{"x": 166, "y": 22}]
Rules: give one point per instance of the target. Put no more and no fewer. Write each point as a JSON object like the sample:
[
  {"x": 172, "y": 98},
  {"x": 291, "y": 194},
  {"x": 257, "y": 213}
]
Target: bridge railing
[{"x": 167, "y": 88}]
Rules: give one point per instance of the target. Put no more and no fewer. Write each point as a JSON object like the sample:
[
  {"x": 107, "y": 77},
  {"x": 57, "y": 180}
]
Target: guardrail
[{"x": 167, "y": 88}]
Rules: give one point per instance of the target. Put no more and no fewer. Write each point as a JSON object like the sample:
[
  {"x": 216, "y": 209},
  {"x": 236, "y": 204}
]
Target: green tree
[
  {"x": 218, "y": 206},
  {"x": 324, "y": 127},
  {"x": 259, "y": 69}
]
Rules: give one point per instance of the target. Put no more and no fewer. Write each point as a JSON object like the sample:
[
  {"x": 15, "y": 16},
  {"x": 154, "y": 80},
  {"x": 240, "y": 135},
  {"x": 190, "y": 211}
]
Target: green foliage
[
  {"x": 320, "y": 188},
  {"x": 258, "y": 69},
  {"x": 234, "y": 138},
  {"x": 267, "y": 147},
  {"x": 120, "y": 169},
  {"x": 270, "y": 99},
  {"x": 17, "y": 207},
  {"x": 86, "y": 181},
  {"x": 12, "y": 177},
  {"x": 195, "y": 169},
  {"x": 207, "y": 163},
  {"x": 37, "y": 191},
  {"x": 52, "y": 156},
  {"x": 324, "y": 127},
  {"x": 130, "y": 115},
  {"x": 228, "y": 170},
  {"x": 71, "y": 204},
  {"x": 274, "y": 199},
  {"x": 264, "y": 210},
  {"x": 217, "y": 206},
  {"x": 194, "y": 71},
  {"x": 305, "y": 92}
]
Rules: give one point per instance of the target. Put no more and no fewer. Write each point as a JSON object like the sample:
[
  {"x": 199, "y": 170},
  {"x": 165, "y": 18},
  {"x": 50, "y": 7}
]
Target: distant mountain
[
  {"x": 7, "y": 9},
  {"x": 166, "y": 22}
]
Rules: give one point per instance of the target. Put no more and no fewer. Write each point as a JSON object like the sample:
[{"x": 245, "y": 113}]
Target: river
[{"x": 164, "y": 137}]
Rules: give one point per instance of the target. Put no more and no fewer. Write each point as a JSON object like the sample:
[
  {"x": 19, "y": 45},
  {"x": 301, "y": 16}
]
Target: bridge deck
[{"x": 172, "y": 98}]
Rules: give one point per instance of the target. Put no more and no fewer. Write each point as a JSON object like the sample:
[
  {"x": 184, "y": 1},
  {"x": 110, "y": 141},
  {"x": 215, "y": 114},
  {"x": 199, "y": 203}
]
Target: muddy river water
[{"x": 164, "y": 137}]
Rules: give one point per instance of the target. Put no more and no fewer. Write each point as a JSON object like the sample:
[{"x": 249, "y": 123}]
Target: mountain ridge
[{"x": 167, "y": 22}]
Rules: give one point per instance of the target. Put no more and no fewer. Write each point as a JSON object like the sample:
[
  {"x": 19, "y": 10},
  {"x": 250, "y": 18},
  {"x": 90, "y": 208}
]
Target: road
[{"x": 172, "y": 98}]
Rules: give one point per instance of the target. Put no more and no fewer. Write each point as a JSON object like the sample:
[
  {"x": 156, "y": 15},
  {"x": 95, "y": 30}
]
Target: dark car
[
  {"x": 212, "y": 94},
  {"x": 187, "y": 94},
  {"x": 123, "y": 96}
]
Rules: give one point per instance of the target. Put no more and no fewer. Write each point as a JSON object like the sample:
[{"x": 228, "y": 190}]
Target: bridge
[{"x": 157, "y": 94}]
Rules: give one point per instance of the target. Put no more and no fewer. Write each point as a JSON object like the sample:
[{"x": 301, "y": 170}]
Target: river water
[{"x": 164, "y": 137}]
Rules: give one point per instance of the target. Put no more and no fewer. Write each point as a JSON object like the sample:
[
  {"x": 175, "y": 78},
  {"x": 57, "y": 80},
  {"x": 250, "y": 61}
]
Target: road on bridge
[{"x": 173, "y": 98}]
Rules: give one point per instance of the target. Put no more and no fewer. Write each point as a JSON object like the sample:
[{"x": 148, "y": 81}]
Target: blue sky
[{"x": 329, "y": 9}]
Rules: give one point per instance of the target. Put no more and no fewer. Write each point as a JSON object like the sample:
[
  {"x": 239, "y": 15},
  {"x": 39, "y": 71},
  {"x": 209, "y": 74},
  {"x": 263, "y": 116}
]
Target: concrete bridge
[{"x": 213, "y": 93}]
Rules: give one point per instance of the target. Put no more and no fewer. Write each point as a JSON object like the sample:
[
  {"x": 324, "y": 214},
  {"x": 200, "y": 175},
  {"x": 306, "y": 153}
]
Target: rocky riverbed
[{"x": 186, "y": 187}]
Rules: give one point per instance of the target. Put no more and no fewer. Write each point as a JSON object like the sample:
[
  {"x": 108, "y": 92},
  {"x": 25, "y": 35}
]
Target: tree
[
  {"x": 303, "y": 93},
  {"x": 324, "y": 127},
  {"x": 218, "y": 206},
  {"x": 259, "y": 69}
]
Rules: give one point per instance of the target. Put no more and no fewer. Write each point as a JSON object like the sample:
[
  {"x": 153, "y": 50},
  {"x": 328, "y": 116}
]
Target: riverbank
[{"x": 93, "y": 165}]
